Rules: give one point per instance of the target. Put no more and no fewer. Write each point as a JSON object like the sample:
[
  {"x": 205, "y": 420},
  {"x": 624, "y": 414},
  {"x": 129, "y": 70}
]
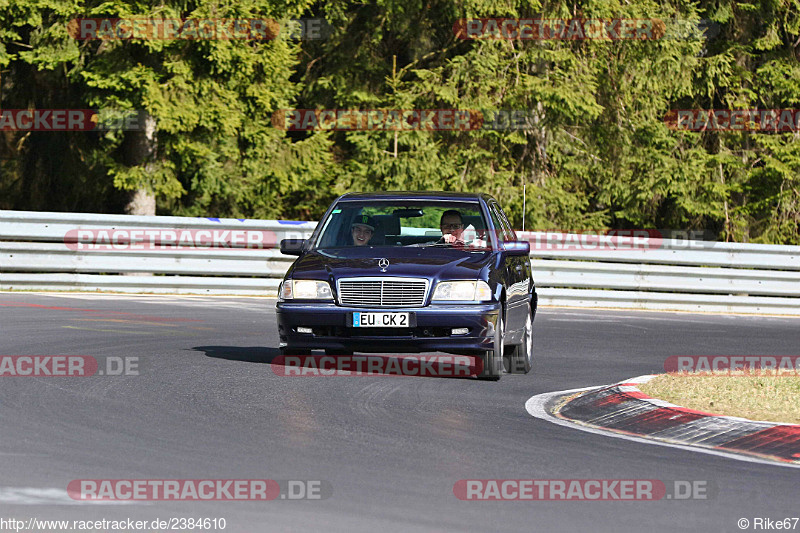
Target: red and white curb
[{"x": 623, "y": 411}]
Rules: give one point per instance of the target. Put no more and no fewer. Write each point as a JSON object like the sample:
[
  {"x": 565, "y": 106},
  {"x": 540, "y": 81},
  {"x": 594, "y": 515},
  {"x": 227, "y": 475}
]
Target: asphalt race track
[{"x": 206, "y": 404}]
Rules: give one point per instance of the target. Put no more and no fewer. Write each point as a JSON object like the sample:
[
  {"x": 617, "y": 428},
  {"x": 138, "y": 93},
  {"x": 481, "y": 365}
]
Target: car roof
[{"x": 414, "y": 195}]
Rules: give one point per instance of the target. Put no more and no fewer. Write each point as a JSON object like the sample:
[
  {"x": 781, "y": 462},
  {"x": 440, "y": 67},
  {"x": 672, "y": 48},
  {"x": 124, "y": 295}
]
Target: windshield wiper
[{"x": 448, "y": 244}]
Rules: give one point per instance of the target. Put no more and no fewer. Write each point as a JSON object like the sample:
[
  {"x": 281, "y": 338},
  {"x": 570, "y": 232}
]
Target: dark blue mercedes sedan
[{"x": 411, "y": 272}]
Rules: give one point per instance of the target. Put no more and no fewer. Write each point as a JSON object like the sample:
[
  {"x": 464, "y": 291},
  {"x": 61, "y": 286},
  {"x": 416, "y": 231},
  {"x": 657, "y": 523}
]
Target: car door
[{"x": 515, "y": 274}]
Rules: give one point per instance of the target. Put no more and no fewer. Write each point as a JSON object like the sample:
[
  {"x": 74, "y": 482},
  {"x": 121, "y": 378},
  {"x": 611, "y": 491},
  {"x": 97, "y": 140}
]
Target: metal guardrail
[
  {"x": 47, "y": 251},
  {"x": 667, "y": 274}
]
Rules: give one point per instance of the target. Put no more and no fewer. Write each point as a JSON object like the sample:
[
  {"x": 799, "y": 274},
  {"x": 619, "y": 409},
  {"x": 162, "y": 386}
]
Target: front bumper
[{"x": 332, "y": 328}]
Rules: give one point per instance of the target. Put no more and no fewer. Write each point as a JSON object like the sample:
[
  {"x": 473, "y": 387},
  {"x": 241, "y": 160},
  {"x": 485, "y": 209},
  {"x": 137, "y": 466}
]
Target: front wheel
[
  {"x": 287, "y": 350},
  {"x": 493, "y": 359},
  {"x": 338, "y": 352},
  {"x": 521, "y": 357}
]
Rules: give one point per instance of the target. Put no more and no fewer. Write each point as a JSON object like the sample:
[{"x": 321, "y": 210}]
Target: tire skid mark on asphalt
[
  {"x": 618, "y": 323},
  {"x": 135, "y": 332},
  {"x": 49, "y": 496},
  {"x": 136, "y": 322},
  {"x": 541, "y": 405},
  {"x": 102, "y": 312},
  {"x": 371, "y": 399},
  {"x": 178, "y": 299},
  {"x": 374, "y": 406},
  {"x": 127, "y": 321},
  {"x": 24, "y": 454}
]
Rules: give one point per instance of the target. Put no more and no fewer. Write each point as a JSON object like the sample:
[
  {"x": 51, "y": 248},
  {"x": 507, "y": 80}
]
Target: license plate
[{"x": 380, "y": 320}]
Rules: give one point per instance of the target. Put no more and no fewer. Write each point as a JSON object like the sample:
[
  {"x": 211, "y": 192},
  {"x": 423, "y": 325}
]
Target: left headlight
[
  {"x": 462, "y": 291},
  {"x": 305, "y": 289}
]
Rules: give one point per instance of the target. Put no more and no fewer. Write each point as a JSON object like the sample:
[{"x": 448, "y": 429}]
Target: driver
[
  {"x": 452, "y": 226},
  {"x": 362, "y": 230}
]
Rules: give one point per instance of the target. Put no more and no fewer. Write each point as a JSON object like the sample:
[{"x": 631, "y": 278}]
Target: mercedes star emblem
[{"x": 383, "y": 263}]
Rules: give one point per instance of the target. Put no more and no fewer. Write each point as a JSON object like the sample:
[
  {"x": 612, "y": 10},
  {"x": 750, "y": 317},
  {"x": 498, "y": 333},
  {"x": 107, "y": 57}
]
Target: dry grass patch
[{"x": 762, "y": 397}]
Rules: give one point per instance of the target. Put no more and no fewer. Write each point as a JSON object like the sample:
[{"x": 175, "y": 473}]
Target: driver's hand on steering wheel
[{"x": 449, "y": 238}]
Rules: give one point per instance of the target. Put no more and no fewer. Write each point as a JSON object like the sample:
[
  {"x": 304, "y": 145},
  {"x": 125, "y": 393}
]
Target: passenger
[{"x": 362, "y": 229}]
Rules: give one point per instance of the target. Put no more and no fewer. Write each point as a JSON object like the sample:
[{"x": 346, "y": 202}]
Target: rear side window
[
  {"x": 512, "y": 236},
  {"x": 503, "y": 228}
]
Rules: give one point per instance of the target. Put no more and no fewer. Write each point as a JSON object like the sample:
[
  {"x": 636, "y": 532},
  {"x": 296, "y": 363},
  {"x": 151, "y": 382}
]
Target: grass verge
[{"x": 757, "y": 397}]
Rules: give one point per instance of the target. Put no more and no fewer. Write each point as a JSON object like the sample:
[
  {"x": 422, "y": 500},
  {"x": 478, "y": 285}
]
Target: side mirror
[
  {"x": 516, "y": 247},
  {"x": 292, "y": 246}
]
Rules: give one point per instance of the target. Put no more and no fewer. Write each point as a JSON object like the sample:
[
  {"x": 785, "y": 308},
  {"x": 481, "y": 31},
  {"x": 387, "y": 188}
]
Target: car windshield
[{"x": 420, "y": 224}]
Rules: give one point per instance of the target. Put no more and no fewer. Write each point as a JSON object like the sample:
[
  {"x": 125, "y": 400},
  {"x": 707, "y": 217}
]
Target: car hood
[{"x": 433, "y": 263}]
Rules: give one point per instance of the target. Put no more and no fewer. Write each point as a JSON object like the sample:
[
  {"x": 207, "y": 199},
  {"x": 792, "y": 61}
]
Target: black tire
[
  {"x": 520, "y": 358},
  {"x": 338, "y": 352},
  {"x": 493, "y": 359},
  {"x": 288, "y": 350}
]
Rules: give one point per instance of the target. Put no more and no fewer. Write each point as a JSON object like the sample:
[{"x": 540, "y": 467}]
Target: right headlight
[
  {"x": 462, "y": 291},
  {"x": 305, "y": 289}
]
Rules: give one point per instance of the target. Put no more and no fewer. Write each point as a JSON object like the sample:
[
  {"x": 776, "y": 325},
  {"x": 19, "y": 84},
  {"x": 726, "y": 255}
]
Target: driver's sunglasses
[{"x": 452, "y": 226}]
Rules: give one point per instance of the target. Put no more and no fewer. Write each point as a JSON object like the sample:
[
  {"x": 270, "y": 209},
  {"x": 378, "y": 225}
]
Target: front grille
[{"x": 382, "y": 292}]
